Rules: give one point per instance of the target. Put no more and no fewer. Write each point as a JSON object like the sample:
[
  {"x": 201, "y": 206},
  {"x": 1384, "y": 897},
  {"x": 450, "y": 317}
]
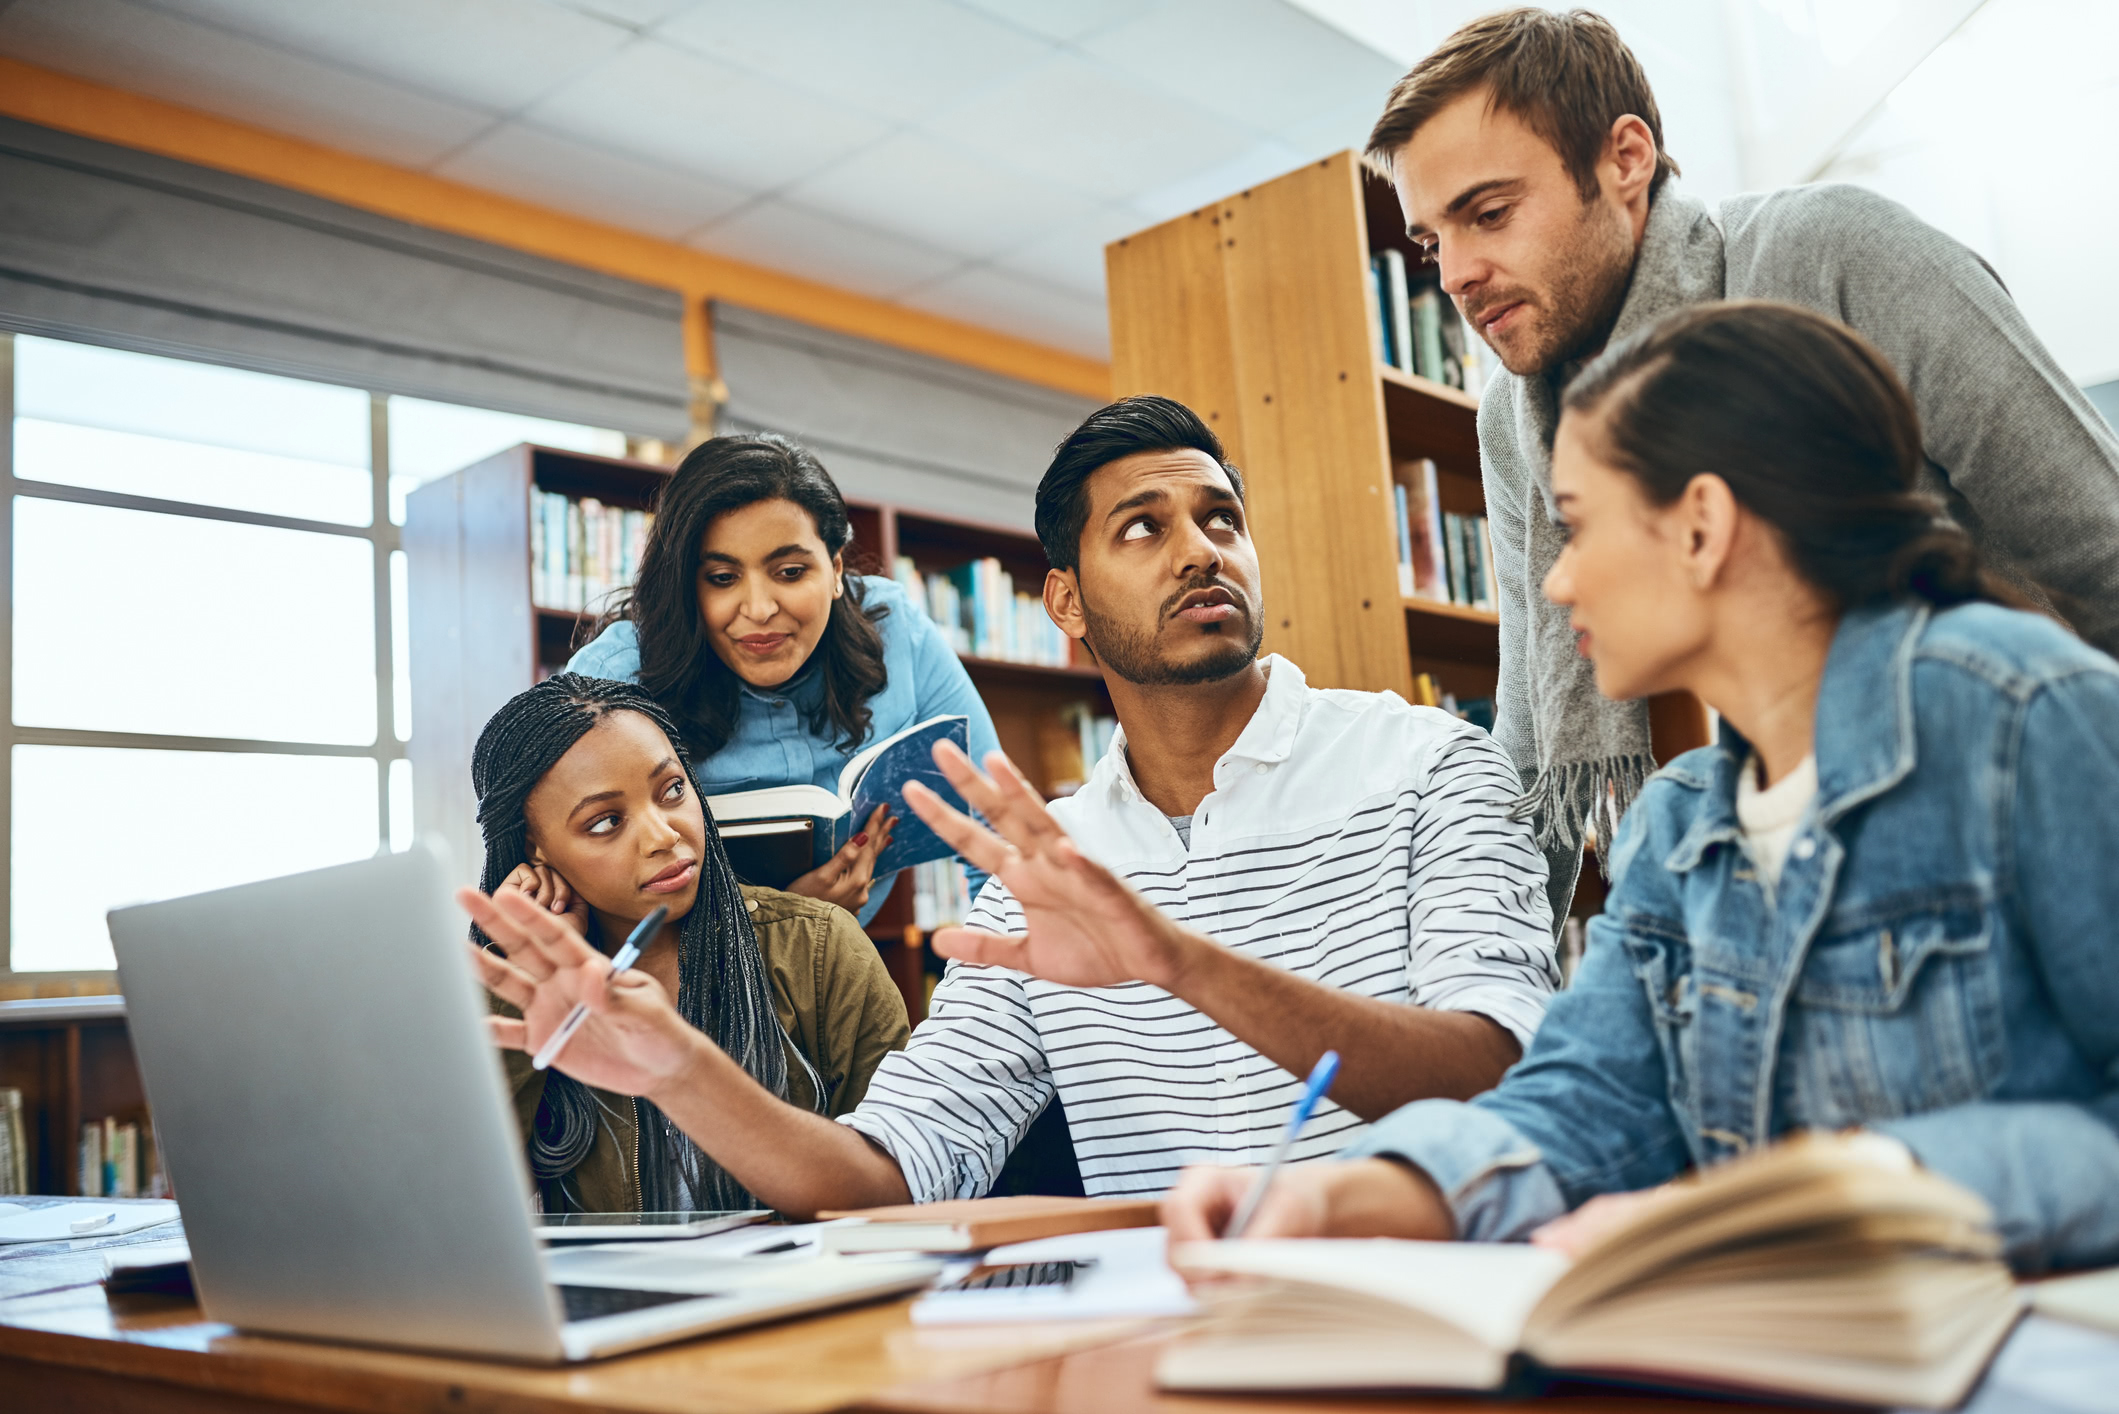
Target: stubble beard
[
  {"x": 1133, "y": 656},
  {"x": 1583, "y": 302}
]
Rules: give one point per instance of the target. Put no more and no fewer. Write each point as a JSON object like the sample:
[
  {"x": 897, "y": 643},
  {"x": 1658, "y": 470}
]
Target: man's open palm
[{"x": 1084, "y": 926}]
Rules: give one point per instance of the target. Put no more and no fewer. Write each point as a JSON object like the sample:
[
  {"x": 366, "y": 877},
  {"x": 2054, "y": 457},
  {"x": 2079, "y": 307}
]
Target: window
[{"x": 207, "y": 639}]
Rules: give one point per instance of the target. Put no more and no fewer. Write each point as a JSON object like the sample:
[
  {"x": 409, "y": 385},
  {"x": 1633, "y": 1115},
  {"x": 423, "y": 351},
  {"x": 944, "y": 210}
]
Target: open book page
[{"x": 1358, "y": 1314}]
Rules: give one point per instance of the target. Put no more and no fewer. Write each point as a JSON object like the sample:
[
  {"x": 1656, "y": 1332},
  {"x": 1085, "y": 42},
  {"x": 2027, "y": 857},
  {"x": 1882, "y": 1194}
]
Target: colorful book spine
[
  {"x": 1427, "y": 334},
  {"x": 1403, "y": 506},
  {"x": 583, "y": 551},
  {"x": 1397, "y": 293}
]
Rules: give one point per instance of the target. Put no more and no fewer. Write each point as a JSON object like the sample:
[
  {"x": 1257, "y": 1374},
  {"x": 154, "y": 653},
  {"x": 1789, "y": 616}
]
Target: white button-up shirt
[{"x": 1350, "y": 838}]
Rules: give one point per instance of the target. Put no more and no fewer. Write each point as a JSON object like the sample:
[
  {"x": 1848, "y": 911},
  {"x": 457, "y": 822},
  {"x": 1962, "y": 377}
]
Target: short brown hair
[{"x": 1568, "y": 76}]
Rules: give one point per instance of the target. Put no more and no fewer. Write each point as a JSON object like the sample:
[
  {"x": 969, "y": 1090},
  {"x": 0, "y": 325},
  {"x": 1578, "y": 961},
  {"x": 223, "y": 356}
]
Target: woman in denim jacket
[{"x": 1886, "y": 899}]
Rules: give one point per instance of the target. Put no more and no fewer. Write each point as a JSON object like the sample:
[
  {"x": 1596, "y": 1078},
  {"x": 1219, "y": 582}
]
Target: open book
[
  {"x": 1812, "y": 1269},
  {"x": 777, "y": 834}
]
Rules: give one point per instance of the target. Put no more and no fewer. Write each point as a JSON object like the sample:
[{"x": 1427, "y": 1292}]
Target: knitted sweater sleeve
[{"x": 2029, "y": 465}]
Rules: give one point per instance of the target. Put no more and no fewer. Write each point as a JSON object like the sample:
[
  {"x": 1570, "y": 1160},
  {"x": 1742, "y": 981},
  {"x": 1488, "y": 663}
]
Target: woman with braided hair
[{"x": 588, "y": 807}]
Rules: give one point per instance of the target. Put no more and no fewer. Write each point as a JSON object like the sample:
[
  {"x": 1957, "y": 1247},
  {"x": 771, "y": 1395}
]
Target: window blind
[{"x": 104, "y": 244}]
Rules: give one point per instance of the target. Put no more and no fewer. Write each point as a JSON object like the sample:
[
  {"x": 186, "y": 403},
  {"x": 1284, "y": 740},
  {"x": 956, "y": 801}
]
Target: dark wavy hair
[
  {"x": 722, "y": 987},
  {"x": 1813, "y": 432},
  {"x": 677, "y": 663}
]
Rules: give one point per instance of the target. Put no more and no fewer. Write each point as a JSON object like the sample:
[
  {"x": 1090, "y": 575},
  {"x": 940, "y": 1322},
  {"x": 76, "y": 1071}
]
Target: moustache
[{"x": 1200, "y": 582}]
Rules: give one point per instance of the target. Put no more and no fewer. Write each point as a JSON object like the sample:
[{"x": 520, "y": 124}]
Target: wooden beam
[{"x": 56, "y": 100}]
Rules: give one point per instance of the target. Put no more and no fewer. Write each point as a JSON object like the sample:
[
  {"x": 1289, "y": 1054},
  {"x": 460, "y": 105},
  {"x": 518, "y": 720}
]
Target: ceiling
[
  {"x": 966, "y": 159},
  {"x": 971, "y": 158}
]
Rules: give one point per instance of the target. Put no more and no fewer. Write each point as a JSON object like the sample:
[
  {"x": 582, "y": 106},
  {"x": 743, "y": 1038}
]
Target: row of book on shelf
[
  {"x": 982, "y": 613},
  {"x": 1479, "y": 711},
  {"x": 941, "y": 892},
  {"x": 1420, "y": 331},
  {"x": 1441, "y": 555},
  {"x": 581, "y": 550},
  {"x": 117, "y": 1159}
]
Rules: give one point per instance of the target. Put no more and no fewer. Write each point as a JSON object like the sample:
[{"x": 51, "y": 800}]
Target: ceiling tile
[
  {"x": 1064, "y": 20},
  {"x": 494, "y": 54},
  {"x": 550, "y": 170},
  {"x": 897, "y": 59},
  {"x": 1258, "y": 62},
  {"x": 702, "y": 116},
  {"x": 942, "y": 196},
  {"x": 179, "y": 61},
  {"x": 1072, "y": 257},
  {"x": 640, "y": 14},
  {"x": 1082, "y": 124},
  {"x": 830, "y": 249},
  {"x": 994, "y": 299},
  {"x": 1261, "y": 164}
]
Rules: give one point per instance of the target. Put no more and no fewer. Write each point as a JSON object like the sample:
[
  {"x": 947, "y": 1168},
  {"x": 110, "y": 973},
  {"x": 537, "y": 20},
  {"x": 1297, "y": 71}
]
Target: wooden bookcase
[
  {"x": 72, "y": 1059},
  {"x": 477, "y": 639},
  {"x": 1254, "y": 311}
]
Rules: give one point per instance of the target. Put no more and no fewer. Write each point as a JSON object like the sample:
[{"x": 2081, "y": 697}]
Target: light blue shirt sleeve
[
  {"x": 612, "y": 654},
  {"x": 943, "y": 689}
]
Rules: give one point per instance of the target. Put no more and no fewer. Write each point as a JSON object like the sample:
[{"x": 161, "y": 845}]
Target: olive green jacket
[{"x": 834, "y": 998}]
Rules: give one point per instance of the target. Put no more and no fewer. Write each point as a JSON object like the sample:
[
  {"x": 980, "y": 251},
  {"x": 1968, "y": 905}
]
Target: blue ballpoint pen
[
  {"x": 1321, "y": 1077},
  {"x": 625, "y": 957}
]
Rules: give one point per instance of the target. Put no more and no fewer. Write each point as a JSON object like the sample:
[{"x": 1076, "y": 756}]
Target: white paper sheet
[
  {"x": 55, "y": 1224},
  {"x": 1131, "y": 1279}
]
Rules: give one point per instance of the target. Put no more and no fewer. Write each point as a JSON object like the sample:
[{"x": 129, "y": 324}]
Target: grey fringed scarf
[{"x": 1584, "y": 757}]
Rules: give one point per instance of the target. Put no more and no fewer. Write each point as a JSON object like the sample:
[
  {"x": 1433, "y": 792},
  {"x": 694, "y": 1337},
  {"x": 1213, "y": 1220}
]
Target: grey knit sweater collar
[{"x": 1593, "y": 754}]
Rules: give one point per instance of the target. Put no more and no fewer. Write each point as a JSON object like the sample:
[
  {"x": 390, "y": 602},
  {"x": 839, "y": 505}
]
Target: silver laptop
[{"x": 339, "y": 1133}]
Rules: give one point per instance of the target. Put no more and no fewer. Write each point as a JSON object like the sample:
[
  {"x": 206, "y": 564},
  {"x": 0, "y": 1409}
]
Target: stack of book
[
  {"x": 582, "y": 550},
  {"x": 119, "y": 1161},
  {"x": 14, "y": 1143},
  {"x": 982, "y": 615},
  {"x": 1420, "y": 331},
  {"x": 1441, "y": 555}
]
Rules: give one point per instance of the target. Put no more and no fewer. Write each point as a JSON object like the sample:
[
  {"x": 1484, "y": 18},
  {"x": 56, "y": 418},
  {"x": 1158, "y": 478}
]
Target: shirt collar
[
  {"x": 1269, "y": 737},
  {"x": 1863, "y": 740}
]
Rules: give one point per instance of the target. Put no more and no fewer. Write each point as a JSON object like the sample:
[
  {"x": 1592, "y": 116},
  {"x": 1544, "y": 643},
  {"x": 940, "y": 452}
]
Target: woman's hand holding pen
[
  {"x": 845, "y": 878},
  {"x": 634, "y": 1042},
  {"x": 1084, "y": 927}
]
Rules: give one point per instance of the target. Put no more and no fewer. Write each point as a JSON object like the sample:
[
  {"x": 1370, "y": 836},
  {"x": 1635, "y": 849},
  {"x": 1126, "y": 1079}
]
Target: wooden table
[{"x": 69, "y": 1347}]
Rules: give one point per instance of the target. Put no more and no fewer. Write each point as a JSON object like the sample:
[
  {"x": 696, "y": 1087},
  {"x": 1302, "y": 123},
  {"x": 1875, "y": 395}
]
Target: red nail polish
[{"x": 861, "y": 838}]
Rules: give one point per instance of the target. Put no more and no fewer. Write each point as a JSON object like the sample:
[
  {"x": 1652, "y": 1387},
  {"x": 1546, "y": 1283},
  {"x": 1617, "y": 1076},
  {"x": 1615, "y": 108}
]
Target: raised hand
[
  {"x": 1083, "y": 925},
  {"x": 633, "y": 1042}
]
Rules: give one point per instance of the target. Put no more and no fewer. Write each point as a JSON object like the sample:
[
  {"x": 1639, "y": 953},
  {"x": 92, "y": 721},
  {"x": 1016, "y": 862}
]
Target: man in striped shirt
[{"x": 1257, "y": 871}]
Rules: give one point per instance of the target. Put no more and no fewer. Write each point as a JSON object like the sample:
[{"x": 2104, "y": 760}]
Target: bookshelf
[
  {"x": 1256, "y": 311},
  {"x": 72, "y": 1059},
  {"x": 477, "y": 638}
]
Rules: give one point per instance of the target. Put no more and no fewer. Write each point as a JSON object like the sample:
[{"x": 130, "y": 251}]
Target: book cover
[
  {"x": 1397, "y": 294},
  {"x": 878, "y": 775},
  {"x": 1427, "y": 334},
  {"x": 1423, "y": 499},
  {"x": 1379, "y": 312}
]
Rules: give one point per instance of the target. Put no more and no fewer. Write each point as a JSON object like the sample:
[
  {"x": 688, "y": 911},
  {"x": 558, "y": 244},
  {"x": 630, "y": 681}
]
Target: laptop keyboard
[{"x": 586, "y": 1303}]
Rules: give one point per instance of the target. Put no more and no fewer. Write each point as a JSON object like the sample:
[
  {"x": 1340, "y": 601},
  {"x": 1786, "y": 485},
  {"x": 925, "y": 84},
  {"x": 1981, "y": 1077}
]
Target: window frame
[{"x": 381, "y": 532}]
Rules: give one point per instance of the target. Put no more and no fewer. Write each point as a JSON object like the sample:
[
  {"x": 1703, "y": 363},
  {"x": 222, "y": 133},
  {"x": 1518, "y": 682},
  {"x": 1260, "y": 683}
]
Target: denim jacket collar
[{"x": 1864, "y": 738}]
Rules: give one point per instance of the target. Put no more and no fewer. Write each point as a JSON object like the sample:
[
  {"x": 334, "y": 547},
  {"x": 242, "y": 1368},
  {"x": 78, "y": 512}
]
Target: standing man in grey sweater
[{"x": 1527, "y": 154}]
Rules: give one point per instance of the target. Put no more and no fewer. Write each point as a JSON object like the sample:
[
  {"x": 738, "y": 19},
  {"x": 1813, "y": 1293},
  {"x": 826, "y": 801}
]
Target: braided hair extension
[{"x": 722, "y": 987}]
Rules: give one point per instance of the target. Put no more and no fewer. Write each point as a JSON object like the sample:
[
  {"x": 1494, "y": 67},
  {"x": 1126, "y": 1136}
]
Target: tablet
[{"x": 640, "y": 1227}]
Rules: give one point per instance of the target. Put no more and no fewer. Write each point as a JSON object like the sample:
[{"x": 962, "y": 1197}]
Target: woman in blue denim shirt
[
  {"x": 777, "y": 663},
  {"x": 1886, "y": 899}
]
